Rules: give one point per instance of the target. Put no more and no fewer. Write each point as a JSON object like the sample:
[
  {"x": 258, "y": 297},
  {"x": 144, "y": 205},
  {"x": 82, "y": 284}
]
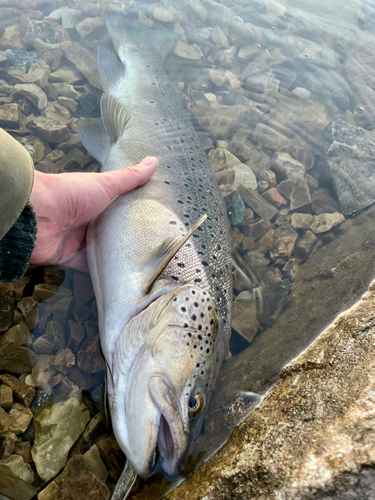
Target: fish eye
[{"x": 196, "y": 403}]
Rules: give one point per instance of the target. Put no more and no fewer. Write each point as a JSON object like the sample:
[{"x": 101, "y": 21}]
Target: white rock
[
  {"x": 302, "y": 93},
  {"x": 19, "y": 468},
  {"x": 244, "y": 175},
  {"x": 185, "y": 51}
]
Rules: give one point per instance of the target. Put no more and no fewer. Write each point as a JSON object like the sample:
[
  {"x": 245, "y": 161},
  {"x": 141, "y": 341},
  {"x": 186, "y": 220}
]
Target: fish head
[{"x": 158, "y": 407}]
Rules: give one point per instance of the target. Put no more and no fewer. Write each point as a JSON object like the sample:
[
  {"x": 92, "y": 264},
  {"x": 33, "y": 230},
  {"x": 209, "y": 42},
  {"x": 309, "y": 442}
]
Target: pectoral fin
[{"x": 164, "y": 253}]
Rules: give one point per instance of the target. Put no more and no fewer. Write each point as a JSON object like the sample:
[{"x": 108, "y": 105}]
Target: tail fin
[{"x": 128, "y": 33}]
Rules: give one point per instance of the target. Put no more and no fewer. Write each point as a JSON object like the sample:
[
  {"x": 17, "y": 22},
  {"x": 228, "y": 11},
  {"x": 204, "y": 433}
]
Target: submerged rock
[
  {"x": 350, "y": 155},
  {"x": 57, "y": 428},
  {"x": 20, "y": 58}
]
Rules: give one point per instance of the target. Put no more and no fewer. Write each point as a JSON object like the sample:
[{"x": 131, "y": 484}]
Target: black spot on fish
[
  {"x": 183, "y": 309},
  {"x": 180, "y": 264},
  {"x": 174, "y": 278},
  {"x": 196, "y": 304},
  {"x": 173, "y": 222},
  {"x": 167, "y": 182},
  {"x": 204, "y": 263},
  {"x": 197, "y": 280},
  {"x": 193, "y": 317}
]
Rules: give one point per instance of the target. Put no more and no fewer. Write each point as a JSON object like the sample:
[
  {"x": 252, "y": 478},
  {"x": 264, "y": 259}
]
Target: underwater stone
[
  {"x": 20, "y": 418},
  {"x": 257, "y": 203},
  {"x": 57, "y": 428},
  {"x": 16, "y": 359},
  {"x": 38, "y": 74},
  {"x": 48, "y": 129},
  {"x": 6, "y": 397},
  {"x": 323, "y": 203},
  {"x": 325, "y": 222},
  {"x": 20, "y": 58},
  {"x": 14, "y": 487},
  {"x": 17, "y": 465},
  {"x": 89, "y": 357},
  {"x": 350, "y": 155},
  {"x": 85, "y": 61},
  {"x": 274, "y": 197},
  {"x": 89, "y": 24},
  {"x": 305, "y": 245},
  {"x": 244, "y": 175},
  {"x": 297, "y": 191},
  {"x": 34, "y": 93},
  {"x": 245, "y": 319},
  {"x": 23, "y": 391},
  {"x": 5, "y": 421},
  {"x": 186, "y": 51},
  {"x": 237, "y": 210},
  {"x": 95, "y": 463},
  {"x": 301, "y": 221}
]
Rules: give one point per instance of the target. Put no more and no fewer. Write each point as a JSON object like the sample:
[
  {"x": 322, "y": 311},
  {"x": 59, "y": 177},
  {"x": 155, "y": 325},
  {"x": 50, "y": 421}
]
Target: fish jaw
[{"x": 172, "y": 437}]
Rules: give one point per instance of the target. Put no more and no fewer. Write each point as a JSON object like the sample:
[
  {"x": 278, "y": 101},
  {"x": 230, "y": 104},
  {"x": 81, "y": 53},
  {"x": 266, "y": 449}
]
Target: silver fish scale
[{"x": 183, "y": 182}]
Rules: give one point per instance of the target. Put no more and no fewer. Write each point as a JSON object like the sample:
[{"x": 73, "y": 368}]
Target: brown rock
[
  {"x": 255, "y": 201},
  {"x": 20, "y": 418},
  {"x": 83, "y": 314},
  {"x": 43, "y": 371},
  {"x": 48, "y": 129},
  {"x": 6, "y": 397},
  {"x": 54, "y": 275},
  {"x": 64, "y": 360},
  {"x": 78, "y": 480},
  {"x": 93, "y": 429},
  {"x": 95, "y": 463},
  {"x": 88, "y": 25},
  {"x": 301, "y": 221},
  {"x": 225, "y": 177},
  {"x": 274, "y": 197},
  {"x": 284, "y": 247},
  {"x": 6, "y": 308},
  {"x": 325, "y": 222},
  {"x": 52, "y": 340},
  {"x": 19, "y": 334},
  {"x": 85, "y": 380},
  {"x": 23, "y": 448},
  {"x": 111, "y": 455},
  {"x": 17, "y": 287},
  {"x": 76, "y": 334},
  {"x": 34, "y": 93},
  {"x": 62, "y": 310},
  {"x": 305, "y": 245},
  {"x": 16, "y": 359},
  {"x": 9, "y": 114},
  {"x": 26, "y": 305},
  {"x": 14, "y": 487},
  {"x": 8, "y": 445},
  {"x": 82, "y": 291},
  {"x": 85, "y": 62},
  {"x": 297, "y": 191},
  {"x": 24, "y": 392},
  {"x": 256, "y": 229},
  {"x": 71, "y": 162},
  {"x": 89, "y": 357},
  {"x": 5, "y": 421},
  {"x": 38, "y": 74},
  {"x": 268, "y": 176},
  {"x": 216, "y": 159},
  {"x": 44, "y": 291}
]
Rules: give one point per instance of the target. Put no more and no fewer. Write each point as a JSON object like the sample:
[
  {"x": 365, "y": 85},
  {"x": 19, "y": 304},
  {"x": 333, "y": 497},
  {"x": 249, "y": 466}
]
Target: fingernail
[{"x": 149, "y": 161}]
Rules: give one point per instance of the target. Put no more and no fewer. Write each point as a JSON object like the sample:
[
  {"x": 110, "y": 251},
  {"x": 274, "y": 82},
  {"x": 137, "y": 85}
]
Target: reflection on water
[{"x": 283, "y": 96}]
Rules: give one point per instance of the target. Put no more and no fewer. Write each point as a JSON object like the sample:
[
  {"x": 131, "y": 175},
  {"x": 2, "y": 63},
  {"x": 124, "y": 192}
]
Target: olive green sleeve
[{"x": 17, "y": 217}]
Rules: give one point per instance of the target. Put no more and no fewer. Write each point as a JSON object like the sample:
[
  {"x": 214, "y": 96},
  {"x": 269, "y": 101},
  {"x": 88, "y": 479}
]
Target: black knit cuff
[{"x": 17, "y": 246}]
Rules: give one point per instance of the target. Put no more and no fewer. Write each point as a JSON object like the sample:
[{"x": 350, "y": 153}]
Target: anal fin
[
  {"x": 95, "y": 138},
  {"x": 115, "y": 116},
  {"x": 163, "y": 254}
]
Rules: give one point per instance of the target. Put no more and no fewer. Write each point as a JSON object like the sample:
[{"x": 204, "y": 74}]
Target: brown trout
[{"x": 159, "y": 256}]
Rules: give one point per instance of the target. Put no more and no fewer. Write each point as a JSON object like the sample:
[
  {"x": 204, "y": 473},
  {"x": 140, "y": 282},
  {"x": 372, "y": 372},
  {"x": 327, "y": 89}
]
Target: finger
[{"x": 121, "y": 181}]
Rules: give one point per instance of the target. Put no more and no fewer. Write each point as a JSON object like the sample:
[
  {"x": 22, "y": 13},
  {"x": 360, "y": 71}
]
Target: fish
[{"x": 159, "y": 256}]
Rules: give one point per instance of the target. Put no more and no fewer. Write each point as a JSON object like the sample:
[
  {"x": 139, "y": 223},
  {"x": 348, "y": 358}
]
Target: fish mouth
[{"x": 172, "y": 440}]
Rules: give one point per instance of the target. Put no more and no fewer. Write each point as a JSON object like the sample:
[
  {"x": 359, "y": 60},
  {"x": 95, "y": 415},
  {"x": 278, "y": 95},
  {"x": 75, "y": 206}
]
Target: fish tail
[{"x": 127, "y": 33}]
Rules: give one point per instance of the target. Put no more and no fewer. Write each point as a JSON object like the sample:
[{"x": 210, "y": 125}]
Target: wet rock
[
  {"x": 297, "y": 191},
  {"x": 255, "y": 201},
  {"x": 19, "y": 468},
  {"x": 220, "y": 120},
  {"x": 225, "y": 177},
  {"x": 219, "y": 77},
  {"x": 9, "y": 114},
  {"x": 68, "y": 103},
  {"x": 302, "y": 93},
  {"x": 6, "y": 308},
  {"x": 20, "y": 418},
  {"x": 16, "y": 359},
  {"x": 38, "y": 74},
  {"x": 82, "y": 291},
  {"x": 256, "y": 229},
  {"x": 69, "y": 17},
  {"x": 274, "y": 197},
  {"x": 88, "y": 25},
  {"x": 20, "y": 58},
  {"x": 322, "y": 203},
  {"x": 284, "y": 247},
  {"x": 301, "y": 221},
  {"x": 325, "y": 222},
  {"x": 6, "y": 397},
  {"x": 44, "y": 291},
  {"x": 64, "y": 360},
  {"x": 245, "y": 176},
  {"x": 8, "y": 445},
  {"x": 78, "y": 479},
  {"x": 34, "y": 93},
  {"x": 226, "y": 57},
  {"x": 95, "y": 463},
  {"x": 219, "y": 38},
  {"x": 248, "y": 50},
  {"x": 244, "y": 318},
  {"x": 52, "y": 340},
  {"x": 27, "y": 305},
  {"x": 76, "y": 334},
  {"x": 237, "y": 210},
  {"x": 5, "y": 421},
  {"x": 287, "y": 166},
  {"x": 350, "y": 158},
  {"x": 89, "y": 357},
  {"x": 48, "y": 129},
  {"x": 14, "y": 487},
  {"x": 66, "y": 74},
  {"x": 186, "y": 51},
  {"x": 85, "y": 380},
  {"x": 23, "y": 392},
  {"x": 162, "y": 15},
  {"x": 57, "y": 428},
  {"x": 23, "y": 448},
  {"x": 95, "y": 428},
  {"x": 85, "y": 62}
]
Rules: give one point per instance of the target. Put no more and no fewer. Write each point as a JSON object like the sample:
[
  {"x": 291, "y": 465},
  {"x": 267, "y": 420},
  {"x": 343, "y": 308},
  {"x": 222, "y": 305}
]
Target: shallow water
[{"x": 263, "y": 82}]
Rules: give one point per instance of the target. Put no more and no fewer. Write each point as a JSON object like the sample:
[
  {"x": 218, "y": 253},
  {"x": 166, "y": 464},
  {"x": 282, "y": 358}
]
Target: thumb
[{"x": 121, "y": 181}]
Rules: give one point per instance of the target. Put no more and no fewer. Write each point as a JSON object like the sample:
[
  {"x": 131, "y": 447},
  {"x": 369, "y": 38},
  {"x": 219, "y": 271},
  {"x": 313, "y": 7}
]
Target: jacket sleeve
[{"x": 17, "y": 218}]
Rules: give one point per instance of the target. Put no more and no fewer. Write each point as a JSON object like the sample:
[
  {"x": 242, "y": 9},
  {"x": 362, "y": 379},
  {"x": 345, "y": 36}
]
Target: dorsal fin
[
  {"x": 115, "y": 116},
  {"x": 95, "y": 138},
  {"x": 111, "y": 70}
]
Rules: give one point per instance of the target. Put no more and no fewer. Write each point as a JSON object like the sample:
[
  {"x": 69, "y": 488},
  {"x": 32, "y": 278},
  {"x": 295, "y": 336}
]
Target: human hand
[{"x": 65, "y": 203}]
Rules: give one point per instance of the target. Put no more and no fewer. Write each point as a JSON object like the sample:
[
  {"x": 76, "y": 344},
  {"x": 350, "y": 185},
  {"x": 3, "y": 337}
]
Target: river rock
[
  {"x": 23, "y": 391},
  {"x": 9, "y": 115},
  {"x": 301, "y": 221},
  {"x": 323, "y": 203},
  {"x": 66, "y": 74},
  {"x": 19, "y": 467},
  {"x": 57, "y": 428},
  {"x": 219, "y": 38},
  {"x": 244, "y": 175},
  {"x": 18, "y": 334},
  {"x": 311, "y": 433},
  {"x": 86, "y": 63},
  {"x": 237, "y": 210},
  {"x": 245, "y": 318},
  {"x": 48, "y": 129},
  {"x": 274, "y": 197},
  {"x": 52, "y": 340},
  {"x": 38, "y": 74},
  {"x": 186, "y": 51},
  {"x": 6, "y": 397},
  {"x": 16, "y": 359},
  {"x": 257, "y": 203},
  {"x": 350, "y": 157},
  {"x": 14, "y": 487},
  {"x": 95, "y": 463},
  {"x": 325, "y": 222},
  {"x": 20, "y": 418},
  {"x": 34, "y": 93},
  {"x": 297, "y": 191}
]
